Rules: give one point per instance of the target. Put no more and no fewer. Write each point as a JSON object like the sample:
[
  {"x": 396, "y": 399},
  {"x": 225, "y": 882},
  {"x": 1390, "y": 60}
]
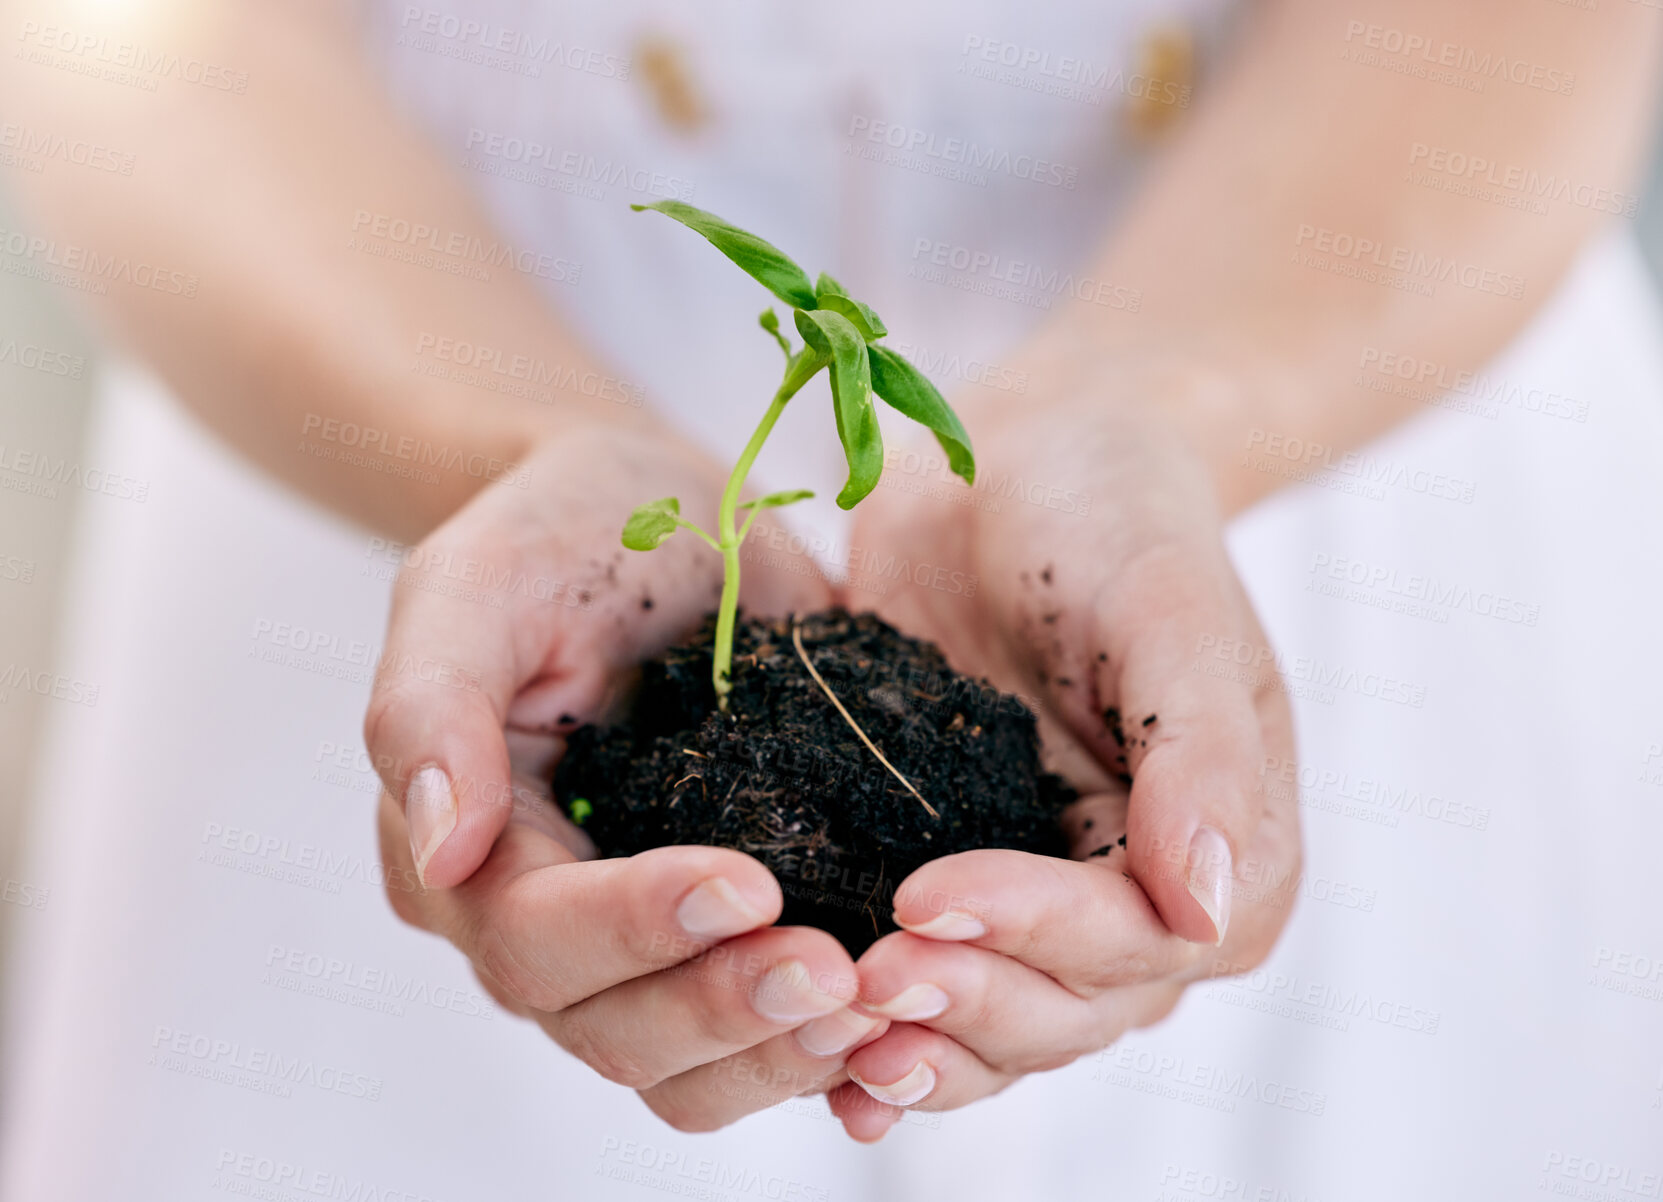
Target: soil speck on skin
[
  {"x": 1049, "y": 619},
  {"x": 1065, "y": 682},
  {"x": 646, "y": 602},
  {"x": 1102, "y": 657},
  {"x": 565, "y": 720},
  {"x": 1046, "y": 574},
  {"x": 1150, "y": 720},
  {"x": 1111, "y": 719},
  {"x": 784, "y": 778}
]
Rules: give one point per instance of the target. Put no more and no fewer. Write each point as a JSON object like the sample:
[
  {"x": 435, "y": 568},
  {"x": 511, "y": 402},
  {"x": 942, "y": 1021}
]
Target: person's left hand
[{"x": 1088, "y": 575}]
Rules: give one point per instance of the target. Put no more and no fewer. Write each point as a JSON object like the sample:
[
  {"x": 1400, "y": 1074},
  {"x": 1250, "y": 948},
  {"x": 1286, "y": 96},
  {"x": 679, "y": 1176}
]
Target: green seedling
[{"x": 839, "y": 333}]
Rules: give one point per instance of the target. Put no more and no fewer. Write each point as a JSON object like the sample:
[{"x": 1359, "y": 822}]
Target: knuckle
[
  {"x": 680, "y": 1112},
  {"x": 579, "y": 1035},
  {"x": 509, "y": 967},
  {"x": 387, "y": 705},
  {"x": 406, "y": 905}
]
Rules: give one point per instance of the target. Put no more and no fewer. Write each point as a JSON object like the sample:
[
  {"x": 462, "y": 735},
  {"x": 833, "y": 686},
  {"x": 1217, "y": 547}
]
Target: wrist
[{"x": 1208, "y": 399}]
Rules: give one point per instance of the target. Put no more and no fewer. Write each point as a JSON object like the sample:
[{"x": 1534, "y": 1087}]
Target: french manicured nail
[
  {"x": 1209, "y": 877},
  {"x": 786, "y": 994},
  {"x": 913, "y": 1004},
  {"x": 836, "y": 1032},
  {"x": 714, "y": 910},
  {"x": 948, "y": 925},
  {"x": 912, "y": 1088},
  {"x": 430, "y": 813}
]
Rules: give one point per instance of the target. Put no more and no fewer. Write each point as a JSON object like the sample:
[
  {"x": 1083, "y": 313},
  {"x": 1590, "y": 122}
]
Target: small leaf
[
  {"x": 770, "y": 321},
  {"x": 581, "y": 809},
  {"x": 909, "y": 390},
  {"x": 764, "y": 262},
  {"x": 829, "y": 295},
  {"x": 834, "y": 336},
  {"x": 651, "y": 524},
  {"x": 775, "y": 499}
]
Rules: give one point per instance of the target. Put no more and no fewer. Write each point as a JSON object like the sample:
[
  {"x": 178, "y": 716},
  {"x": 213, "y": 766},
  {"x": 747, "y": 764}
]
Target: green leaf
[
  {"x": 581, "y": 809},
  {"x": 770, "y": 321},
  {"x": 909, "y": 390},
  {"x": 834, "y": 336},
  {"x": 764, "y": 262},
  {"x": 651, "y": 524},
  {"x": 829, "y": 295},
  {"x": 775, "y": 499}
]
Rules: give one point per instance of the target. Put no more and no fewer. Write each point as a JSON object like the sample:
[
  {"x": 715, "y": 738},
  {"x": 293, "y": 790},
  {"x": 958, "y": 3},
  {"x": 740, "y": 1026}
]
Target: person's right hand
[{"x": 511, "y": 625}]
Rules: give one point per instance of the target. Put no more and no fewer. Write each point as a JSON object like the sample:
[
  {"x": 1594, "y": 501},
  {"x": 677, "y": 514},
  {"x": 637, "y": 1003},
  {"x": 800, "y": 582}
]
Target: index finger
[
  {"x": 1088, "y": 926},
  {"x": 551, "y": 930}
]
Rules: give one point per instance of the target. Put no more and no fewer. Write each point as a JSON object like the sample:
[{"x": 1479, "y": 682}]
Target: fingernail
[
  {"x": 836, "y": 1032},
  {"x": 714, "y": 910},
  {"x": 913, "y": 1004},
  {"x": 786, "y": 994},
  {"x": 1209, "y": 877},
  {"x": 914, "y": 1087},
  {"x": 948, "y": 925},
  {"x": 430, "y": 813}
]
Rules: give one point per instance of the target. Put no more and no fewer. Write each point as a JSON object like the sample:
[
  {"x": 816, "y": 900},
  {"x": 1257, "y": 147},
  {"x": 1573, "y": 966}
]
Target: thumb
[
  {"x": 435, "y": 724},
  {"x": 1192, "y": 744}
]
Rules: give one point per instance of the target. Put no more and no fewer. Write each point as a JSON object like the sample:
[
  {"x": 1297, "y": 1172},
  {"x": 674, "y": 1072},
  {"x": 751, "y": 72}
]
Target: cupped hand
[
  {"x": 511, "y": 625},
  {"x": 1088, "y": 573}
]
